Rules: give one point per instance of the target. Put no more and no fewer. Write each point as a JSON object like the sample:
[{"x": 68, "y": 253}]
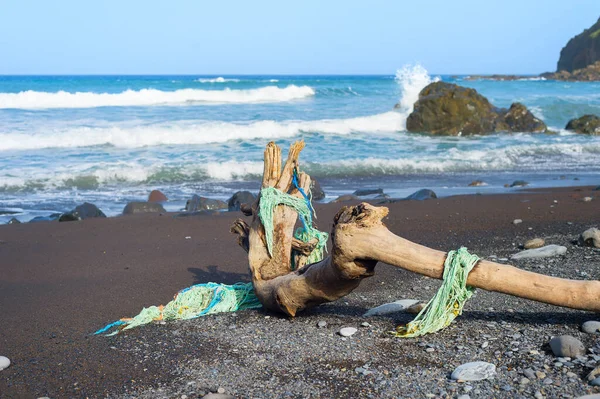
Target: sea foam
[
  {"x": 146, "y": 97},
  {"x": 192, "y": 132},
  {"x": 411, "y": 79}
]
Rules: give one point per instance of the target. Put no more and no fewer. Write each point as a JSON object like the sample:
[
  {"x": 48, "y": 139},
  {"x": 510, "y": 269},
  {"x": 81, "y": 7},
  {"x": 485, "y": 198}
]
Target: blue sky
[{"x": 282, "y": 37}]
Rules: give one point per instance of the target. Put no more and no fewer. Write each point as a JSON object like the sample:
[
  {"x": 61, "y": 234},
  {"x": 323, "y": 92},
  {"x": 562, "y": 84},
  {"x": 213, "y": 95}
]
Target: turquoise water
[{"x": 112, "y": 139}]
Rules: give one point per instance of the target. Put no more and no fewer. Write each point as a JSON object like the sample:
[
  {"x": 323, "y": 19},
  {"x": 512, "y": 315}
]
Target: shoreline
[{"x": 62, "y": 281}]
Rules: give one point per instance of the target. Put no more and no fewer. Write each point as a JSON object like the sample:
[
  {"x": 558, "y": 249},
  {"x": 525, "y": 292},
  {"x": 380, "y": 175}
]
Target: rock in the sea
[
  {"x": 534, "y": 243},
  {"x": 543, "y": 252},
  {"x": 392, "y": 307},
  {"x": 81, "y": 212},
  {"x": 587, "y": 124},
  {"x": 474, "y": 371},
  {"x": 143, "y": 207},
  {"x": 316, "y": 190},
  {"x": 13, "y": 221},
  {"x": 449, "y": 109},
  {"x": 368, "y": 191},
  {"x": 4, "y": 362},
  {"x": 241, "y": 197},
  {"x": 421, "y": 195},
  {"x": 591, "y": 327},
  {"x": 567, "y": 346},
  {"x": 197, "y": 203},
  {"x": 477, "y": 183},
  {"x": 348, "y": 331},
  {"x": 519, "y": 183},
  {"x": 51, "y": 218},
  {"x": 346, "y": 197},
  {"x": 590, "y": 238},
  {"x": 157, "y": 196},
  {"x": 519, "y": 119}
]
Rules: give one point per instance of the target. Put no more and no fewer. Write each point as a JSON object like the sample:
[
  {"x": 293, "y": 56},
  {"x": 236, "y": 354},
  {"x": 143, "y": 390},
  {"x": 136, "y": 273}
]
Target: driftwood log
[{"x": 359, "y": 241}]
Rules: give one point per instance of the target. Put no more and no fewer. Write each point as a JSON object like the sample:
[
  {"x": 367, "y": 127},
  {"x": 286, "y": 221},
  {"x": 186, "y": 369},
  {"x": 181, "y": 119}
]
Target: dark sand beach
[{"x": 62, "y": 281}]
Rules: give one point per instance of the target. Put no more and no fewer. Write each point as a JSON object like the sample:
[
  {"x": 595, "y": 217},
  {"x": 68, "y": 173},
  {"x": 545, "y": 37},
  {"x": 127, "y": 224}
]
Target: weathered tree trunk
[{"x": 360, "y": 240}]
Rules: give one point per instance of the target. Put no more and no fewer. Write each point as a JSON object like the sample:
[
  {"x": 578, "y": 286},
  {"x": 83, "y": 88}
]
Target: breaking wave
[
  {"x": 411, "y": 79},
  {"x": 146, "y": 97},
  {"x": 194, "y": 132},
  {"x": 220, "y": 79}
]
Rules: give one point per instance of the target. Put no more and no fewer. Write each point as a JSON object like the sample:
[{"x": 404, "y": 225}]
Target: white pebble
[
  {"x": 587, "y": 199},
  {"x": 348, "y": 331},
  {"x": 4, "y": 362},
  {"x": 517, "y": 221},
  {"x": 474, "y": 371}
]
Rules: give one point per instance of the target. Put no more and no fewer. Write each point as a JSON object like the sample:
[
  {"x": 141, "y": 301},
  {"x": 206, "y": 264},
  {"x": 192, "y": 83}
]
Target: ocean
[{"x": 109, "y": 140}]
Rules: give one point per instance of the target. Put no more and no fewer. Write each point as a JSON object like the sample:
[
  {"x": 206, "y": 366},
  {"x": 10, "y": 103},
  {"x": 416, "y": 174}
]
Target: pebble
[
  {"x": 517, "y": 221},
  {"x": 430, "y": 350},
  {"x": 587, "y": 199},
  {"x": 529, "y": 374},
  {"x": 596, "y": 382},
  {"x": 591, "y": 327},
  {"x": 392, "y": 307},
  {"x": 540, "y": 374},
  {"x": 348, "y": 331},
  {"x": 534, "y": 243},
  {"x": 548, "y": 381},
  {"x": 322, "y": 324},
  {"x": 590, "y": 238},
  {"x": 217, "y": 396},
  {"x": 365, "y": 324},
  {"x": 474, "y": 371},
  {"x": 464, "y": 397},
  {"x": 524, "y": 381},
  {"x": 485, "y": 345},
  {"x": 566, "y": 345},
  {"x": 4, "y": 362},
  {"x": 543, "y": 252},
  {"x": 538, "y": 395}
]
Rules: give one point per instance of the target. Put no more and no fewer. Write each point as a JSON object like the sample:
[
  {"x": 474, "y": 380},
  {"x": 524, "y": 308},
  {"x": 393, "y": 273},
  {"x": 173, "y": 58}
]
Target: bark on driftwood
[{"x": 359, "y": 241}]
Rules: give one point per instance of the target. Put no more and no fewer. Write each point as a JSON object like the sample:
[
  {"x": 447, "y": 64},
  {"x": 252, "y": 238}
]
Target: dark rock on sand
[
  {"x": 346, "y": 197},
  {"x": 567, "y": 346},
  {"x": 368, "y": 191},
  {"x": 581, "y": 51},
  {"x": 421, "y": 195},
  {"x": 53, "y": 217},
  {"x": 143, "y": 207},
  {"x": 519, "y": 183},
  {"x": 449, "y": 109},
  {"x": 83, "y": 211},
  {"x": 157, "y": 196},
  {"x": 316, "y": 190},
  {"x": 197, "y": 203},
  {"x": 13, "y": 221},
  {"x": 239, "y": 198},
  {"x": 477, "y": 183},
  {"x": 590, "y": 238},
  {"x": 587, "y": 124}
]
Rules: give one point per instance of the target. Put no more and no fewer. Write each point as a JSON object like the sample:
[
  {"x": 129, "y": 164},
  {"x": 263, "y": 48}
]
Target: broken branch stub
[{"x": 359, "y": 241}]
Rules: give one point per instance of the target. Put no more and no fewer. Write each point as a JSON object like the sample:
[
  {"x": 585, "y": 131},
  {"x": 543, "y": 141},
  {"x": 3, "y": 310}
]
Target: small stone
[
  {"x": 543, "y": 252},
  {"x": 506, "y": 388},
  {"x": 485, "y": 345},
  {"x": 596, "y": 382},
  {"x": 392, "y": 307},
  {"x": 4, "y": 362},
  {"x": 519, "y": 183},
  {"x": 465, "y": 396},
  {"x": 587, "y": 199},
  {"x": 540, "y": 374},
  {"x": 547, "y": 381},
  {"x": 321, "y": 324},
  {"x": 570, "y": 374},
  {"x": 566, "y": 345},
  {"x": 590, "y": 238},
  {"x": 517, "y": 221},
  {"x": 538, "y": 395},
  {"x": 430, "y": 350},
  {"x": 365, "y": 324},
  {"x": 534, "y": 243},
  {"x": 591, "y": 327},
  {"x": 524, "y": 381},
  {"x": 529, "y": 374},
  {"x": 474, "y": 371},
  {"x": 221, "y": 390},
  {"x": 348, "y": 331}
]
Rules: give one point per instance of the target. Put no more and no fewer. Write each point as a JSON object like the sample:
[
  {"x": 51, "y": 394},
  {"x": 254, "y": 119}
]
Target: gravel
[{"x": 280, "y": 357}]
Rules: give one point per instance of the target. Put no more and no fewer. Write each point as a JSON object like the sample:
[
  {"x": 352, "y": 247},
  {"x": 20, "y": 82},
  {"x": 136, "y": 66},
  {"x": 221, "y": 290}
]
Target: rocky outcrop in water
[
  {"x": 587, "y": 124},
  {"x": 590, "y": 73},
  {"x": 452, "y": 110}
]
